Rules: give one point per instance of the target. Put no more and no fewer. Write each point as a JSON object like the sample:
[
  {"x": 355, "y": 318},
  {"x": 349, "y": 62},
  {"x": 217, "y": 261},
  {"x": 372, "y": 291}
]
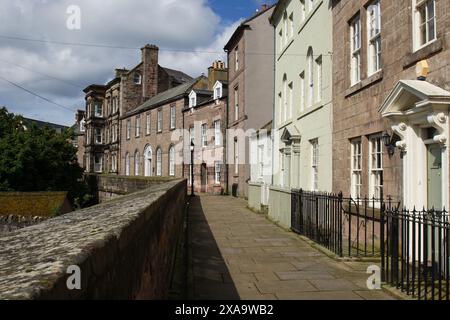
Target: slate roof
[
  {"x": 41, "y": 124},
  {"x": 165, "y": 97}
]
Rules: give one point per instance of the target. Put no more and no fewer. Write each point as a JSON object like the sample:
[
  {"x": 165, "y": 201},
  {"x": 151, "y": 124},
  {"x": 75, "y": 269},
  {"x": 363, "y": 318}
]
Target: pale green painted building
[{"x": 302, "y": 155}]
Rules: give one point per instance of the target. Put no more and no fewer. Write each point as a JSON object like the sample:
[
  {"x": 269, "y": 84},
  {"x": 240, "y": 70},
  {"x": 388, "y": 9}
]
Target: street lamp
[
  {"x": 389, "y": 144},
  {"x": 192, "y": 168}
]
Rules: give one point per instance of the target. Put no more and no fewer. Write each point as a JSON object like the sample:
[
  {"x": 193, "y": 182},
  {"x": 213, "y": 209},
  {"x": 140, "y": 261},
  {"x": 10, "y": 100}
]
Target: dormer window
[
  {"x": 218, "y": 90},
  {"x": 137, "y": 79},
  {"x": 82, "y": 126},
  {"x": 192, "y": 99}
]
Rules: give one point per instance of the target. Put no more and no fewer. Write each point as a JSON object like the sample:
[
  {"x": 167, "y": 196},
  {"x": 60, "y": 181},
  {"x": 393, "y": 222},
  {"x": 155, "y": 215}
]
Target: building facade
[
  {"x": 205, "y": 129},
  {"x": 152, "y": 134},
  {"x": 261, "y": 153},
  {"x": 303, "y": 102},
  {"x": 250, "y": 82},
  {"x": 391, "y": 84},
  {"x": 107, "y": 104},
  {"x": 79, "y": 129}
]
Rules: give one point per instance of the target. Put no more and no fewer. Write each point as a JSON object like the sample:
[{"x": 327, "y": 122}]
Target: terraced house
[
  {"x": 391, "y": 100},
  {"x": 250, "y": 81},
  {"x": 106, "y": 105},
  {"x": 205, "y": 128},
  {"x": 302, "y": 123}
]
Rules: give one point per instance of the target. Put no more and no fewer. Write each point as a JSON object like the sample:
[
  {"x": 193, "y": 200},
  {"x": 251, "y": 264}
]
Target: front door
[
  {"x": 204, "y": 177},
  {"x": 434, "y": 174}
]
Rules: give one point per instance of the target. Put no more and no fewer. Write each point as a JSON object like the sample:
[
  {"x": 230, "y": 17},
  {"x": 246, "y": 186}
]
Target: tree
[{"x": 38, "y": 159}]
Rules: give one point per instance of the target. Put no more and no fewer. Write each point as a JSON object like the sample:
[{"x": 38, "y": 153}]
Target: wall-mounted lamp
[{"x": 389, "y": 143}]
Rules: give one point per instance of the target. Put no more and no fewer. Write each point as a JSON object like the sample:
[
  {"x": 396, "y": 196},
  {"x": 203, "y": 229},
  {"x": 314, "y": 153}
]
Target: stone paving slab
[{"x": 237, "y": 254}]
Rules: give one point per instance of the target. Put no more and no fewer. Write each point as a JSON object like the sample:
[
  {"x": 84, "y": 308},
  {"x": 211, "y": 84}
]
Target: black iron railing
[
  {"x": 413, "y": 245},
  {"x": 345, "y": 226},
  {"x": 415, "y": 255},
  {"x": 318, "y": 217}
]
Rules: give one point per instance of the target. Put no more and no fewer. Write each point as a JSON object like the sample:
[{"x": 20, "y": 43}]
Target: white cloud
[{"x": 172, "y": 24}]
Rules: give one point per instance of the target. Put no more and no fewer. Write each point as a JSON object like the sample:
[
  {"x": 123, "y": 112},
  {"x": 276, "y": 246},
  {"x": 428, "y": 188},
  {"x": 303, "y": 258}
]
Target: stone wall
[
  {"x": 124, "y": 248},
  {"x": 13, "y": 222},
  {"x": 111, "y": 186}
]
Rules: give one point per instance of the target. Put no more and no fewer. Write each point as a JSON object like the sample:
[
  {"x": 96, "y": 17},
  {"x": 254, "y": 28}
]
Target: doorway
[
  {"x": 434, "y": 176},
  {"x": 204, "y": 177}
]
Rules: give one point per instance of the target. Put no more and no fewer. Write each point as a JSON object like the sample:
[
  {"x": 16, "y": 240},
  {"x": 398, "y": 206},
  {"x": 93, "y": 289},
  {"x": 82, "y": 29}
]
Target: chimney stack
[
  {"x": 217, "y": 72},
  {"x": 149, "y": 71},
  {"x": 264, "y": 7},
  {"x": 80, "y": 115}
]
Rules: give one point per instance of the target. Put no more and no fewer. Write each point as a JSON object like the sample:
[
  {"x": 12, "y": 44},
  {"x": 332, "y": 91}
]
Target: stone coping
[{"x": 34, "y": 259}]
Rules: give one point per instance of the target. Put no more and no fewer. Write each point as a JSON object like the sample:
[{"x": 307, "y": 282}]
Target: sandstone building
[
  {"x": 250, "y": 82},
  {"x": 391, "y": 100}
]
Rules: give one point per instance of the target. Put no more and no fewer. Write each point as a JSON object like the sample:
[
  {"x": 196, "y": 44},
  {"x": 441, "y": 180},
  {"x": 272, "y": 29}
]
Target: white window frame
[
  {"x": 302, "y": 10},
  {"x": 148, "y": 123},
  {"x": 128, "y": 129},
  {"x": 127, "y": 164},
  {"x": 159, "y": 162},
  {"x": 319, "y": 78},
  {"x": 236, "y": 103},
  {"x": 217, "y": 133},
  {"x": 137, "y": 78},
  {"x": 310, "y": 62},
  {"x": 355, "y": 49},
  {"x": 420, "y": 22},
  {"x": 315, "y": 164},
  {"x": 160, "y": 121},
  {"x": 192, "y": 99},
  {"x": 217, "y": 172},
  {"x": 204, "y": 135},
  {"x": 374, "y": 37},
  {"x": 291, "y": 99},
  {"x": 285, "y": 99},
  {"x": 291, "y": 25},
  {"x": 376, "y": 177},
  {"x": 98, "y": 109},
  {"x": 302, "y": 91},
  {"x": 137, "y": 162},
  {"x": 311, "y": 5},
  {"x": 173, "y": 114},
  {"x": 218, "y": 89},
  {"x": 138, "y": 126},
  {"x": 98, "y": 165},
  {"x": 261, "y": 161},
  {"x": 98, "y": 133},
  {"x": 356, "y": 168},
  {"x": 236, "y": 156},
  {"x": 286, "y": 29},
  {"x": 172, "y": 161}
]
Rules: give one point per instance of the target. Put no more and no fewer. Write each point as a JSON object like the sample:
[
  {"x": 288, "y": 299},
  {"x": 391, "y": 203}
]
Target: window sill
[
  {"x": 423, "y": 53},
  {"x": 309, "y": 110},
  {"x": 376, "y": 77}
]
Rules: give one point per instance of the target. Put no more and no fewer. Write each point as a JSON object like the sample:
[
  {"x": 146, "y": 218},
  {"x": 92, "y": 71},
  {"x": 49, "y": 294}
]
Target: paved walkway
[{"x": 237, "y": 254}]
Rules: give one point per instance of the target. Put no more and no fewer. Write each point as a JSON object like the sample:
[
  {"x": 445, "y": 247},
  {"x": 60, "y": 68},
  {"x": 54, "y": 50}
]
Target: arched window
[
  {"x": 310, "y": 61},
  {"x": 172, "y": 161},
  {"x": 137, "y": 157},
  {"x": 158, "y": 162},
  {"x": 127, "y": 164},
  {"x": 148, "y": 155},
  {"x": 137, "y": 78}
]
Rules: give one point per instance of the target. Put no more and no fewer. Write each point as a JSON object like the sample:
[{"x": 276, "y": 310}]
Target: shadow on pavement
[{"x": 209, "y": 275}]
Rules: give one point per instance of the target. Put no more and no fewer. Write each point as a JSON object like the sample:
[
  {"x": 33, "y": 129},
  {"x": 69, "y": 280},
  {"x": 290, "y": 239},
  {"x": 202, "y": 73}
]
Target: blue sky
[
  {"x": 232, "y": 10},
  {"x": 200, "y": 28}
]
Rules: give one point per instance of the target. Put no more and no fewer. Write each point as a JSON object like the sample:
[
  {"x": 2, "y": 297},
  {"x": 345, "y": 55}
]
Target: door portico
[{"x": 419, "y": 114}]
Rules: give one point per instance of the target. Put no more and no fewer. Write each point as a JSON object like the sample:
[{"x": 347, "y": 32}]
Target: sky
[{"x": 191, "y": 34}]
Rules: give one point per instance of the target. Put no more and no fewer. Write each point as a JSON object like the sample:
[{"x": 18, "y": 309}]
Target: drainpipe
[
  {"x": 225, "y": 140},
  {"x": 273, "y": 107}
]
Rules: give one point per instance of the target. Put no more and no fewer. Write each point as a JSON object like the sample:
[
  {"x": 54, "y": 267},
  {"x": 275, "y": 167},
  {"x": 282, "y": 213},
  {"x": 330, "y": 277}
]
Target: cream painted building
[{"x": 302, "y": 154}]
